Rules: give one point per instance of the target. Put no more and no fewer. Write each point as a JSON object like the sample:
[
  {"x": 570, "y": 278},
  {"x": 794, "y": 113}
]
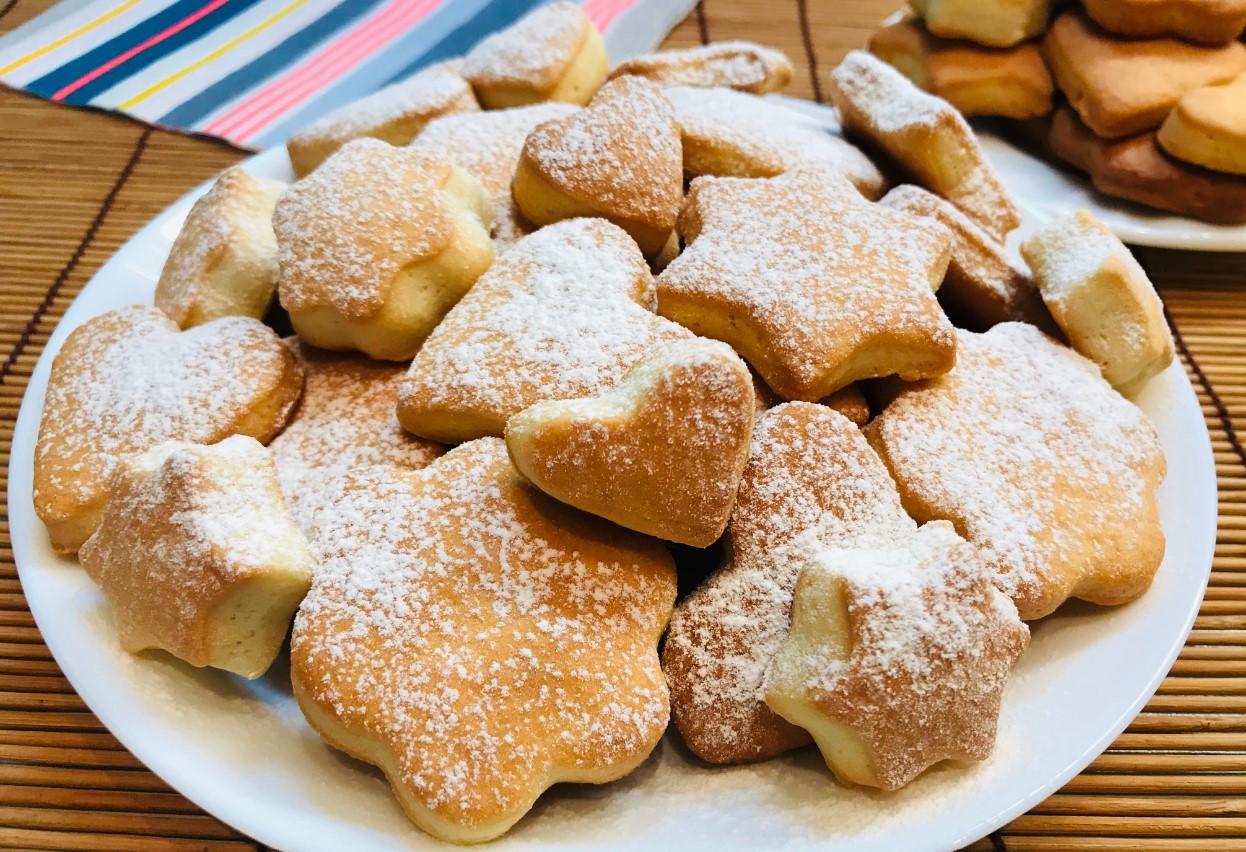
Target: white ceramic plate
[{"x": 242, "y": 751}]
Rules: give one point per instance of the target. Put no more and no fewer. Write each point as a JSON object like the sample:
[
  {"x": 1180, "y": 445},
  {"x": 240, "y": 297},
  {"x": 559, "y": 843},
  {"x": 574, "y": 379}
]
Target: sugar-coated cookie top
[
  {"x": 534, "y": 51},
  {"x": 892, "y": 102},
  {"x": 736, "y": 64},
  {"x": 1070, "y": 250}
]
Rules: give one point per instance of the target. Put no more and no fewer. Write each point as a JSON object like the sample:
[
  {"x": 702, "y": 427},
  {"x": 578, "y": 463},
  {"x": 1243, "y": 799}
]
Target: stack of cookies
[
  {"x": 1149, "y": 95},
  {"x": 564, "y": 335}
]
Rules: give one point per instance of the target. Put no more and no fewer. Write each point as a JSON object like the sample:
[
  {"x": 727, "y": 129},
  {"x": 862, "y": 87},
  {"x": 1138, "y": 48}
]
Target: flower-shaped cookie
[
  {"x": 377, "y": 244},
  {"x": 661, "y": 453},
  {"x": 897, "y": 656},
  {"x": 811, "y": 482},
  {"x": 479, "y": 641},
  {"x": 128, "y": 380},
  {"x": 618, "y": 158},
  {"x": 198, "y": 556},
  {"x": 1038, "y": 462},
  {"x": 807, "y": 281},
  {"x": 224, "y": 261},
  {"x": 344, "y": 420},
  {"x": 565, "y": 313}
]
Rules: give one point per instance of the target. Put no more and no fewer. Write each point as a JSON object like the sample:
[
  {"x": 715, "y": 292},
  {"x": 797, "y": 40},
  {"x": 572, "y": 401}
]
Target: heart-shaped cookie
[
  {"x": 128, "y": 380},
  {"x": 662, "y": 453},
  {"x": 619, "y": 158},
  {"x": 479, "y": 641},
  {"x": 563, "y": 314}
]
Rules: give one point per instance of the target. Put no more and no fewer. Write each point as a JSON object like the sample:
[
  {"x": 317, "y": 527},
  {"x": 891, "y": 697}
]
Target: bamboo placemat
[{"x": 74, "y": 185}]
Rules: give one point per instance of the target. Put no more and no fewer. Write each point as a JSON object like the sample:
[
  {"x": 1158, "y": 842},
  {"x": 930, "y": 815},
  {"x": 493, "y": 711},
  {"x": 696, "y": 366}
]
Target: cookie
[
  {"x": 811, "y": 482},
  {"x": 1008, "y": 82},
  {"x": 1101, "y": 298},
  {"x": 1038, "y": 462},
  {"x": 127, "y": 380},
  {"x": 983, "y": 285},
  {"x": 488, "y": 145},
  {"x": 552, "y": 54},
  {"x": 808, "y": 282},
  {"x": 479, "y": 641},
  {"x": 224, "y": 260},
  {"x": 345, "y": 419},
  {"x": 740, "y": 65},
  {"x": 994, "y": 23},
  {"x": 198, "y": 556},
  {"x": 733, "y": 134},
  {"x": 1208, "y": 127},
  {"x": 661, "y": 453},
  {"x": 1203, "y": 21},
  {"x": 925, "y": 136},
  {"x": 563, "y": 314},
  {"x": 618, "y": 159},
  {"x": 377, "y": 244},
  {"x": 849, "y": 401},
  {"x": 1120, "y": 88},
  {"x": 394, "y": 114},
  {"x": 1138, "y": 169},
  {"x": 897, "y": 657}
]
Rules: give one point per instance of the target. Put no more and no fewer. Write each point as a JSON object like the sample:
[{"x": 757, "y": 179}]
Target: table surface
[{"x": 75, "y": 184}]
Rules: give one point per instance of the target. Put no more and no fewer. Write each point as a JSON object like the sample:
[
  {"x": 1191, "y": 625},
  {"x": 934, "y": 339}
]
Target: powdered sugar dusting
[
  {"x": 621, "y": 153},
  {"x": 740, "y": 65},
  {"x": 1036, "y": 460},
  {"x": 344, "y": 420},
  {"x": 1071, "y": 249},
  {"x": 488, "y": 145},
  {"x": 563, "y": 314},
  {"x": 534, "y": 52},
  {"x": 345, "y": 230},
  {"x": 770, "y": 138},
  {"x": 811, "y": 481},
  {"x": 491, "y": 640}
]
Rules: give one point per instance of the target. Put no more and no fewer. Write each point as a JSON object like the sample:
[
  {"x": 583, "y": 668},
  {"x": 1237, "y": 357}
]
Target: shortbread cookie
[
  {"x": 377, "y": 244},
  {"x": 479, "y": 641},
  {"x": 925, "y": 136},
  {"x": 488, "y": 145},
  {"x": 849, "y": 401},
  {"x": 394, "y": 114},
  {"x": 553, "y": 54},
  {"x": 732, "y": 134},
  {"x": 224, "y": 261},
  {"x": 1038, "y": 462},
  {"x": 1203, "y": 21},
  {"x": 1208, "y": 127},
  {"x": 811, "y": 482},
  {"x": 740, "y": 65},
  {"x": 1101, "y": 298},
  {"x": 128, "y": 380},
  {"x": 1010, "y": 82},
  {"x": 1139, "y": 170},
  {"x": 198, "y": 556},
  {"x": 345, "y": 419},
  {"x": 983, "y": 285},
  {"x": 618, "y": 158},
  {"x": 897, "y": 657},
  {"x": 995, "y": 23},
  {"x": 565, "y": 313},
  {"x": 1120, "y": 88},
  {"x": 810, "y": 282},
  {"x": 661, "y": 453}
]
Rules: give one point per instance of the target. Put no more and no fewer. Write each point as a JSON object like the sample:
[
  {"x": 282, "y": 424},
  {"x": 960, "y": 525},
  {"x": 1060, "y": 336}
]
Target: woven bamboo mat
[{"x": 74, "y": 185}]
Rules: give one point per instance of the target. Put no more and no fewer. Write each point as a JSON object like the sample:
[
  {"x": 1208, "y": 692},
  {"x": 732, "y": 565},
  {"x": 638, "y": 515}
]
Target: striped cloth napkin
[{"x": 254, "y": 71}]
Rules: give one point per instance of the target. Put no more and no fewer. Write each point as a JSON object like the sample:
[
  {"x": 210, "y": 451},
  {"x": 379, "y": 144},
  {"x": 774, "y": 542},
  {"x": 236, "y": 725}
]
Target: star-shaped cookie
[
  {"x": 128, "y": 380},
  {"x": 808, "y": 282},
  {"x": 479, "y": 641},
  {"x": 897, "y": 656},
  {"x": 1038, "y": 462},
  {"x": 198, "y": 556},
  {"x": 564, "y": 313}
]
